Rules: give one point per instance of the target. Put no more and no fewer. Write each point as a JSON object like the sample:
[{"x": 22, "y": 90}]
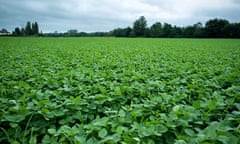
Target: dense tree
[
  {"x": 175, "y": 32},
  {"x": 121, "y": 32},
  {"x": 23, "y": 32},
  {"x": 195, "y": 30},
  {"x": 232, "y": 30},
  {"x": 28, "y": 29},
  {"x": 72, "y": 32},
  {"x": 147, "y": 32},
  {"x": 156, "y": 30},
  {"x": 215, "y": 28},
  {"x": 139, "y": 26},
  {"x": 17, "y": 31},
  {"x": 198, "y": 30},
  {"x": 188, "y": 31},
  {"x": 35, "y": 30},
  {"x": 166, "y": 30},
  {"x": 98, "y": 34}
]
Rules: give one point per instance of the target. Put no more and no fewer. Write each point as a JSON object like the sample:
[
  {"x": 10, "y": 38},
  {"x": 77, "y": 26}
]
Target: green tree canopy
[
  {"x": 17, "y": 31},
  {"x": 167, "y": 29},
  {"x": 28, "y": 28},
  {"x": 215, "y": 27},
  {"x": 139, "y": 26},
  {"x": 156, "y": 30},
  {"x": 35, "y": 30}
]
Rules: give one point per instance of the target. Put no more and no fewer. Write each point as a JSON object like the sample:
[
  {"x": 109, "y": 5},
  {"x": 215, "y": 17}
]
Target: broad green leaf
[
  {"x": 52, "y": 131},
  {"x": 211, "y": 130},
  {"x": 102, "y": 133},
  {"x": 189, "y": 132},
  {"x": 161, "y": 128},
  {"x": 121, "y": 113},
  {"x": 100, "y": 122},
  {"x": 14, "y": 117}
]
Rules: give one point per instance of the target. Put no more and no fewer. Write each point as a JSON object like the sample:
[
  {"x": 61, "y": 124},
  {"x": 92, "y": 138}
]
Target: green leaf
[
  {"x": 189, "y": 132},
  {"x": 92, "y": 140},
  {"x": 14, "y": 141},
  {"x": 161, "y": 128},
  {"x": 13, "y": 125},
  {"x": 121, "y": 113},
  {"x": 46, "y": 139},
  {"x": 233, "y": 139},
  {"x": 100, "y": 122},
  {"x": 115, "y": 138},
  {"x": 52, "y": 131},
  {"x": 33, "y": 139},
  {"x": 180, "y": 142},
  {"x": 119, "y": 130},
  {"x": 228, "y": 139},
  {"x": 14, "y": 117},
  {"x": 102, "y": 133},
  {"x": 211, "y": 130}
]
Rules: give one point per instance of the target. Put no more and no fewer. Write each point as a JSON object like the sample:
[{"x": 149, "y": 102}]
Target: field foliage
[{"x": 108, "y": 90}]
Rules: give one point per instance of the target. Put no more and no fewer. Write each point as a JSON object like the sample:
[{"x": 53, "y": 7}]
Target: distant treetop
[{"x": 31, "y": 29}]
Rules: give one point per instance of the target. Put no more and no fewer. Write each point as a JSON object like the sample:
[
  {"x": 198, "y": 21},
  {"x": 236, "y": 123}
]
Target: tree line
[
  {"x": 213, "y": 28},
  {"x": 31, "y": 29}
]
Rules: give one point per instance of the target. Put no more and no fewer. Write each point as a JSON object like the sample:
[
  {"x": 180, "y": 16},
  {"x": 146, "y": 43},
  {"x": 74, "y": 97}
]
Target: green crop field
[{"x": 114, "y": 90}]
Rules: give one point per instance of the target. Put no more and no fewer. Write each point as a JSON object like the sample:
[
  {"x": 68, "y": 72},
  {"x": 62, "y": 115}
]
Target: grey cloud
[{"x": 104, "y": 15}]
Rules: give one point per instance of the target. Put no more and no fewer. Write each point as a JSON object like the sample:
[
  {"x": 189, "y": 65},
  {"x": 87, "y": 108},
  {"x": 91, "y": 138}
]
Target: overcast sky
[{"x": 105, "y": 15}]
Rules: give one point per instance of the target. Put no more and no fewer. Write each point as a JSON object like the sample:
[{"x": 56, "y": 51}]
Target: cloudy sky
[{"x": 105, "y": 15}]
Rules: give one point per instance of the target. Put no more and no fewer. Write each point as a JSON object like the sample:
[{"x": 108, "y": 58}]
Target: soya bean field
[{"x": 119, "y": 91}]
